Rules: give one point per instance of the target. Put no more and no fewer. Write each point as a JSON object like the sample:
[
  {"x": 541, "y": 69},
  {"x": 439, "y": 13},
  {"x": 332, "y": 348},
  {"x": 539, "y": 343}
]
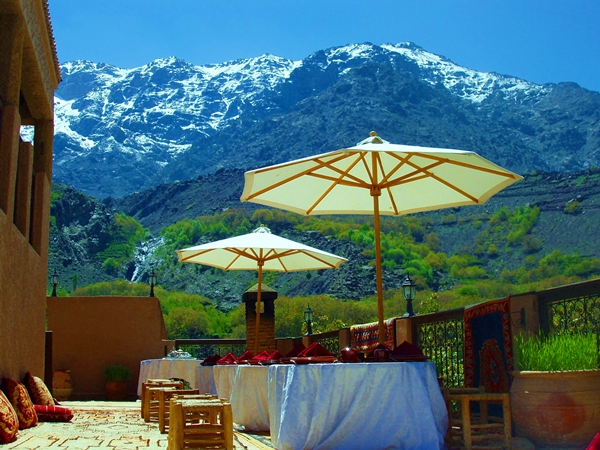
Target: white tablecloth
[
  {"x": 224, "y": 376},
  {"x": 249, "y": 398},
  {"x": 346, "y": 406},
  {"x": 167, "y": 368},
  {"x": 205, "y": 380}
]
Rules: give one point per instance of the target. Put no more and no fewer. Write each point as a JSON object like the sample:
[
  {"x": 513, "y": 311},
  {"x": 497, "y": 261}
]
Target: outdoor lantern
[
  {"x": 153, "y": 280},
  {"x": 409, "y": 291},
  {"x": 308, "y": 318},
  {"x": 54, "y": 281}
]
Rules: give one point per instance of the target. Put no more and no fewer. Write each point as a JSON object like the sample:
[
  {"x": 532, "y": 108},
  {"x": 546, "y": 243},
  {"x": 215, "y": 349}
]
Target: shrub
[{"x": 572, "y": 207}]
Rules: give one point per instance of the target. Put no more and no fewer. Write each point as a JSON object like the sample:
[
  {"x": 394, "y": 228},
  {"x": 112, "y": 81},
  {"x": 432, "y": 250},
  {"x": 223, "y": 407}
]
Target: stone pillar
[
  {"x": 266, "y": 332},
  {"x": 22, "y": 205},
  {"x": 12, "y": 32}
]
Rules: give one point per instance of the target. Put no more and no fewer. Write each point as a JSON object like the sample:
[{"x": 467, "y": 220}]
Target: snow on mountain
[{"x": 143, "y": 119}]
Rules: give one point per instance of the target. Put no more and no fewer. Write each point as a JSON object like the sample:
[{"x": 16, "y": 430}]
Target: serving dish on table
[{"x": 312, "y": 359}]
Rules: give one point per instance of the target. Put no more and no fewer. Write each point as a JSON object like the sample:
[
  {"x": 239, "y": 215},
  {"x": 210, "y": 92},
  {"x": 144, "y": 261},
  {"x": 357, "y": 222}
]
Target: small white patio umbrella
[
  {"x": 260, "y": 250},
  {"x": 376, "y": 177}
]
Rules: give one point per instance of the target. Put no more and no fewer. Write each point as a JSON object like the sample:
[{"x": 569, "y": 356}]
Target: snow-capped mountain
[{"x": 121, "y": 130}]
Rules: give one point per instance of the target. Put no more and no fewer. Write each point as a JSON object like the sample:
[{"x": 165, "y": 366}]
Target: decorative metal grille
[
  {"x": 332, "y": 344},
  {"x": 443, "y": 342},
  {"x": 202, "y": 349},
  {"x": 578, "y": 314}
]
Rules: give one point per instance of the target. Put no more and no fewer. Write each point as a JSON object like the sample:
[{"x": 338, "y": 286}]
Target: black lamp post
[
  {"x": 153, "y": 281},
  {"x": 409, "y": 291},
  {"x": 308, "y": 318},
  {"x": 54, "y": 281}
]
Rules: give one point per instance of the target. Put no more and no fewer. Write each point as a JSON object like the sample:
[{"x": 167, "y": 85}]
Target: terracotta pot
[
  {"x": 62, "y": 387},
  {"x": 556, "y": 408},
  {"x": 116, "y": 391}
]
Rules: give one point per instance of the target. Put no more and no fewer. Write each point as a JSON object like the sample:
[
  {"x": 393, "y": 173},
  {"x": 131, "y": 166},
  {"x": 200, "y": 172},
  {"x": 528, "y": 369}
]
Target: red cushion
[
  {"x": 16, "y": 393},
  {"x": 53, "y": 413},
  {"x": 9, "y": 422},
  {"x": 39, "y": 393}
]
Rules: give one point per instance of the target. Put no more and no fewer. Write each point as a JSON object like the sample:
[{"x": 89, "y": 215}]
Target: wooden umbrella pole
[
  {"x": 378, "y": 267},
  {"x": 258, "y": 294}
]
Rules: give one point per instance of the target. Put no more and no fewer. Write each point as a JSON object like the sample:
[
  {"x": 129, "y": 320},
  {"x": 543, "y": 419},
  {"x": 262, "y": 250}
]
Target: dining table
[
  {"x": 224, "y": 375},
  {"x": 249, "y": 397},
  {"x": 205, "y": 380},
  {"x": 379, "y": 405},
  {"x": 182, "y": 368}
]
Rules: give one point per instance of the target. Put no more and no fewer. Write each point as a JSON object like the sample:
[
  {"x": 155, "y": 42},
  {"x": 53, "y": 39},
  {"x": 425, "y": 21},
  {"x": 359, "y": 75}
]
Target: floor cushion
[
  {"x": 9, "y": 422},
  {"x": 18, "y": 396},
  {"x": 38, "y": 391},
  {"x": 53, "y": 413}
]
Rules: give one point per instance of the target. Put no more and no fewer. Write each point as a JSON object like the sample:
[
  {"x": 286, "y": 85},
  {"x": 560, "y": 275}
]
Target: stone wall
[
  {"x": 28, "y": 77},
  {"x": 89, "y": 333}
]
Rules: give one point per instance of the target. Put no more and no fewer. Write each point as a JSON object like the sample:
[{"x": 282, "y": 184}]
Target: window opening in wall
[
  {"x": 26, "y": 132},
  {"x": 32, "y": 230}
]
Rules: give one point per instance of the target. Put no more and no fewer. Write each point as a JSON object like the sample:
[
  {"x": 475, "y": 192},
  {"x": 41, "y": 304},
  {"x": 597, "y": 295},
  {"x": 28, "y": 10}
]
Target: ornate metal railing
[
  {"x": 572, "y": 309},
  {"x": 203, "y": 348},
  {"x": 441, "y": 337},
  {"x": 329, "y": 340}
]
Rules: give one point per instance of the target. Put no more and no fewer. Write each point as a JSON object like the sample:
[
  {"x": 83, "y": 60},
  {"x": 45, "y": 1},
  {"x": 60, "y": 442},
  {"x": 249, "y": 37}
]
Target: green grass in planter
[
  {"x": 556, "y": 353},
  {"x": 116, "y": 373}
]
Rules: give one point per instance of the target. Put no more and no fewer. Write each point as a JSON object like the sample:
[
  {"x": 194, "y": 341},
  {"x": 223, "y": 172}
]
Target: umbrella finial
[
  {"x": 373, "y": 139},
  {"x": 262, "y": 229}
]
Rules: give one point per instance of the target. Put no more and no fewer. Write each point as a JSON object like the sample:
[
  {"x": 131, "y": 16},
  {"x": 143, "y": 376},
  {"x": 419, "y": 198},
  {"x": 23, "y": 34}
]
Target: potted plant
[
  {"x": 117, "y": 377},
  {"x": 555, "y": 394}
]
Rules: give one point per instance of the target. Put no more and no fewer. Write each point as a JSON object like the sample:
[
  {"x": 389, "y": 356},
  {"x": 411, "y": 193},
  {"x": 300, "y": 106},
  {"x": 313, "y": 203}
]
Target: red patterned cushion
[
  {"x": 9, "y": 422},
  {"x": 53, "y": 413},
  {"x": 39, "y": 393},
  {"x": 19, "y": 398}
]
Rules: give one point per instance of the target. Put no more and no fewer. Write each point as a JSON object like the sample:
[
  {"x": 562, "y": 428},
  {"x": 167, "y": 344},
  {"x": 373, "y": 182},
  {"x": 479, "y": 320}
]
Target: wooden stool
[
  {"x": 154, "y": 382},
  {"x": 214, "y": 434},
  {"x": 480, "y": 431},
  {"x": 150, "y": 404},
  {"x": 164, "y": 397},
  {"x": 199, "y": 416}
]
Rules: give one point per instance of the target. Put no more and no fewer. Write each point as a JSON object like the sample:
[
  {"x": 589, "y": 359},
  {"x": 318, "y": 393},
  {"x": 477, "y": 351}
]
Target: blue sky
[{"x": 537, "y": 40}]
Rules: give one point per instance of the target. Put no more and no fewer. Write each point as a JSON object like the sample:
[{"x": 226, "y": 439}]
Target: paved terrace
[
  {"x": 109, "y": 425},
  {"x": 119, "y": 425}
]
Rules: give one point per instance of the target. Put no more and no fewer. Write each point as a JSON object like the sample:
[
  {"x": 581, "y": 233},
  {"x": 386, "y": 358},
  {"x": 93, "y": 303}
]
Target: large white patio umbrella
[
  {"x": 260, "y": 250},
  {"x": 376, "y": 177}
]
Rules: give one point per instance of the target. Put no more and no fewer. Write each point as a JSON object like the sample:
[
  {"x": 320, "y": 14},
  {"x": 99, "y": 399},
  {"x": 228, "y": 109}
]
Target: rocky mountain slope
[
  {"x": 84, "y": 228},
  {"x": 124, "y": 130}
]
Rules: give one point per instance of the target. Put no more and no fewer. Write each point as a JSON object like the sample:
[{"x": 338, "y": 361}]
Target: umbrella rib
[
  {"x": 193, "y": 255},
  {"x": 334, "y": 184},
  {"x": 412, "y": 177},
  {"x": 308, "y": 171},
  {"x": 441, "y": 160},
  {"x": 290, "y": 252}
]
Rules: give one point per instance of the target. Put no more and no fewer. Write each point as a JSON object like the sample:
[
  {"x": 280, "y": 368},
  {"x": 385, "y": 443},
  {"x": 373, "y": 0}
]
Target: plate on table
[
  {"x": 312, "y": 359},
  {"x": 269, "y": 362},
  {"x": 407, "y": 358}
]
